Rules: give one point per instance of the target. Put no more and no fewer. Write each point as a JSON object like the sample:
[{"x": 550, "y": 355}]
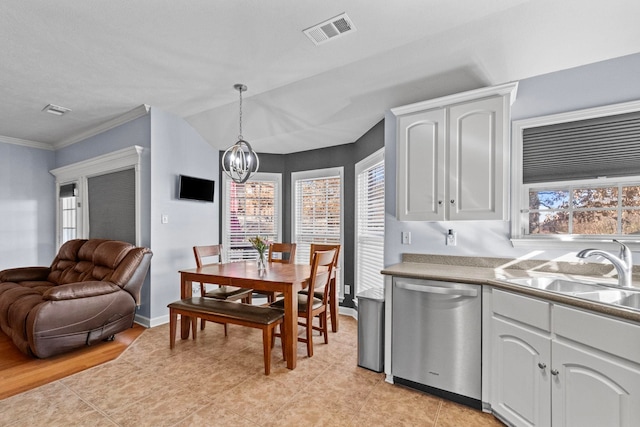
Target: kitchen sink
[
  {"x": 556, "y": 285},
  {"x": 600, "y": 292},
  {"x": 607, "y": 296},
  {"x": 632, "y": 300}
]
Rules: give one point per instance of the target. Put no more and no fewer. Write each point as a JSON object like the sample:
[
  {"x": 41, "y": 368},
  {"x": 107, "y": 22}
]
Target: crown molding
[
  {"x": 137, "y": 112},
  {"x": 26, "y": 143},
  {"x": 509, "y": 89}
]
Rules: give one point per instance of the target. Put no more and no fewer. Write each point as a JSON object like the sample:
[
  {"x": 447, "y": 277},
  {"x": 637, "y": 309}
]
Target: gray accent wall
[{"x": 345, "y": 156}]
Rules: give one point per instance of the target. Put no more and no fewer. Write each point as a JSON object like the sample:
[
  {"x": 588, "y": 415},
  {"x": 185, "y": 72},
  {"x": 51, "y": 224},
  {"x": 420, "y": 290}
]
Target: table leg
[
  {"x": 291, "y": 327},
  {"x": 185, "y": 292},
  {"x": 333, "y": 305}
]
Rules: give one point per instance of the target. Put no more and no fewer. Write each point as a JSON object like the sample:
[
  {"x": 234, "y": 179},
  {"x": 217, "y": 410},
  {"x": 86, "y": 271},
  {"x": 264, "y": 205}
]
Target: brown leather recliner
[{"x": 89, "y": 293}]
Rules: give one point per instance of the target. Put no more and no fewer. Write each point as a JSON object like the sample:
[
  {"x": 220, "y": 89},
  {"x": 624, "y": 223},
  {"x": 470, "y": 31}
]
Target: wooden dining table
[{"x": 287, "y": 279}]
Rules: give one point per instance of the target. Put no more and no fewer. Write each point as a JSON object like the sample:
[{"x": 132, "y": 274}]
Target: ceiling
[{"x": 103, "y": 59}]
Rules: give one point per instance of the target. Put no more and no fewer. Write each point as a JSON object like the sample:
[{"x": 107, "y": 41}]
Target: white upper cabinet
[
  {"x": 420, "y": 152},
  {"x": 453, "y": 156}
]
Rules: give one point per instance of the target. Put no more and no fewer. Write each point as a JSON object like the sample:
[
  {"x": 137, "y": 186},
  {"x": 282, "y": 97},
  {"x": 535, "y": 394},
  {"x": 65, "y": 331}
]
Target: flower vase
[{"x": 262, "y": 262}]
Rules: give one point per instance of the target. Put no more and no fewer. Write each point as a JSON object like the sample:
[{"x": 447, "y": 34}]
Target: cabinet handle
[
  {"x": 542, "y": 365},
  {"x": 554, "y": 372},
  {"x": 452, "y": 201},
  {"x": 440, "y": 202}
]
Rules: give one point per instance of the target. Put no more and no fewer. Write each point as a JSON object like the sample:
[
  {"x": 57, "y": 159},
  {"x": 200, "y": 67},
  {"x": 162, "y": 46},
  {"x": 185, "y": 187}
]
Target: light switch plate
[{"x": 406, "y": 237}]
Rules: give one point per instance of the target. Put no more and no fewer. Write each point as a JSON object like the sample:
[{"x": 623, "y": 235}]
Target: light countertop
[{"x": 493, "y": 271}]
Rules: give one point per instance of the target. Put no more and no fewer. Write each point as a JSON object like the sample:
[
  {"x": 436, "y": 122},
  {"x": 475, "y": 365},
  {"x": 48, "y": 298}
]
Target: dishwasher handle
[{"x": 438, "y": 290}]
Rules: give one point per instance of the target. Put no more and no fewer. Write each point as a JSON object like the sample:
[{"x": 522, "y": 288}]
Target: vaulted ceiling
[{"x": 103, "y": 59}]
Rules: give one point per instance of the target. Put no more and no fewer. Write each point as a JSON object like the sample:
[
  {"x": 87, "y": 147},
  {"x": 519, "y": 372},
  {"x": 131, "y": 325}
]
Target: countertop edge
[{"x": 494, "y": 277}]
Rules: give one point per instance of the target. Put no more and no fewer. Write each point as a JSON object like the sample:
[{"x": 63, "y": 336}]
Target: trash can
[{"x": 371, "y": 329}]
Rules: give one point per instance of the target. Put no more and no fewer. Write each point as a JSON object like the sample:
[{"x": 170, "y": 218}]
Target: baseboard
[
  {"x": 151, "y": 323},
  {"x": 157, "y": 321},
  {"x": 347, "y": 311}
]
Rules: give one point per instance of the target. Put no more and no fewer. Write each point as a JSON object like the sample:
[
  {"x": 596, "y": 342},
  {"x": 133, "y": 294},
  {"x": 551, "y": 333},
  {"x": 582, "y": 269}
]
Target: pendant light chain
[
  {"x": 240, "y": 131},
  {"x": 240, "y": 162}
]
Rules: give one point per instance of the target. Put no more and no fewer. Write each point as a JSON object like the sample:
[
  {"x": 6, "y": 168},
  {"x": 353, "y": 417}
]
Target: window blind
[
  {"x": 370, "y": 227},
  {"x": 318, "y": 213},
  {"x": 252, "y": 210},
  {"x": 585, "y": 149},
  {"x": 112, "y": 206},
  {"x": 68, "y": 190}
]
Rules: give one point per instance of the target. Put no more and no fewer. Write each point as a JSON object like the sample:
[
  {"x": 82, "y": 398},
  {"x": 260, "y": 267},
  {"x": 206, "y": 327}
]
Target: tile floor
[{"x": 215, "y": 381}]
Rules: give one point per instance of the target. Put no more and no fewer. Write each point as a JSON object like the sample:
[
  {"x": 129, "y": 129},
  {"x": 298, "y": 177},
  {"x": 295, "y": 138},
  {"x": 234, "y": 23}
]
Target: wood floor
[{"x": 19, "y": 372}]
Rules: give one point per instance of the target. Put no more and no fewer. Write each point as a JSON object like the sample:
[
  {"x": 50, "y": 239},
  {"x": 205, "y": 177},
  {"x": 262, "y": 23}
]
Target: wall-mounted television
[{"x": 196, "y": 188}]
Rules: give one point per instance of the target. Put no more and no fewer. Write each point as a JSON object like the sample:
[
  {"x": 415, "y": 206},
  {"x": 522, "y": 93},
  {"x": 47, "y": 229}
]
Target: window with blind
[
  {"x": 317, "y": 211},
  {"x": 579, "y": 175},
  {"x": 112, "y": 206},
  {"x": 68, "y": 212},
  {"x": 369, "y": 222},
  {"x": 249, "y": 210}
]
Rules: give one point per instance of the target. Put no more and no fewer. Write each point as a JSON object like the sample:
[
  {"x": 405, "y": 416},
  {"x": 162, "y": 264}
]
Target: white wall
[
  {"x": 176, "y": 148},
  {"x": 27, "y": 206},
  {"x": 603, "y": 83}
]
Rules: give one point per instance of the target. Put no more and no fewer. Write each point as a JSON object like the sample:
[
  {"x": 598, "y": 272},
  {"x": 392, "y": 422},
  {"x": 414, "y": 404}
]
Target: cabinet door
[
  {"x": 520, "y": 374},
  {"x": 478, "y": 164},
  {"x": 421, "y": 166},
  {"x": 592, "y": 389}
]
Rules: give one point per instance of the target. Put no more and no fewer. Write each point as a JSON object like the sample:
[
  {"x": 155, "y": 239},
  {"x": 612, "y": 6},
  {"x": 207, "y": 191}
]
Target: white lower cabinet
[
  {"x": 557, "y": 366},
  {"x": 520, "y": 382},
  {"x": 593, "y": 390}
]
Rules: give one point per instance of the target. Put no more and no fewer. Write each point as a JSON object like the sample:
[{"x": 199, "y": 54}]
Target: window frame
[
  {"x": 519, "y": 191},
  {"x": 258, "y": 176},
  {"x": 361, "y": 168},
  {"x": 314, "y": 174},
  {"x": 80, "y": 172}
]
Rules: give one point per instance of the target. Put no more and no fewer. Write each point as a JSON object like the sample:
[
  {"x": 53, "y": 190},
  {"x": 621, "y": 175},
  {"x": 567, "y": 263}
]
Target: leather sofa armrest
[
  {"x": 80, "y": 290},
  {"x": 24, "y": 274}
]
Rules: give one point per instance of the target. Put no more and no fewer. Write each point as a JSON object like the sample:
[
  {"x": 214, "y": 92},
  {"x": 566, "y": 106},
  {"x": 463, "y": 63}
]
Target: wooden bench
[{"x": 253, "y": 316}]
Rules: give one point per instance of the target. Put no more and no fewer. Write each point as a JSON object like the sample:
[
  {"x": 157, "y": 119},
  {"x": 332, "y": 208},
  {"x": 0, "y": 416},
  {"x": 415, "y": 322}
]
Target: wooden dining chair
[
  {"x": 220, "y": 292},
  {"x": 320, "y": 294},
  {"x": 283, "y": 253},
  {"x": 310, "y": 307}
]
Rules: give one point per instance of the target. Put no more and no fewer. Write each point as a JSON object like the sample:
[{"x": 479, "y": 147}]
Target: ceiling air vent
[
  {"x": 55, "y": 109},
  {"x": 330, "y": 29}
]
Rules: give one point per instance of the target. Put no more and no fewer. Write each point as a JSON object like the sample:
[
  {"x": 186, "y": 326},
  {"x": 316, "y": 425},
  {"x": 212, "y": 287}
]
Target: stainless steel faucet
[{"x": 623, "y": 263}]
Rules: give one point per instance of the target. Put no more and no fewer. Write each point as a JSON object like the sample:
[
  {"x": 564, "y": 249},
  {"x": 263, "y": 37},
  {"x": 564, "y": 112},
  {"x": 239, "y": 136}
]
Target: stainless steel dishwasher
[{"x": 437, "y": 337}]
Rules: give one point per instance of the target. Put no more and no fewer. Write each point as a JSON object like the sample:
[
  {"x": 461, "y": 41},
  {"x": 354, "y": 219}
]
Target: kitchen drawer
[
  {"x": 612, "y": 336},
  {"x": 527, "y": 310}
]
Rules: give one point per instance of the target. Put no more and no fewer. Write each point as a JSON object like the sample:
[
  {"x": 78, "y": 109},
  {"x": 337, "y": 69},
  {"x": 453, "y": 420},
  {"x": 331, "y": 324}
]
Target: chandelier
[{"x": 240, "y": 162}]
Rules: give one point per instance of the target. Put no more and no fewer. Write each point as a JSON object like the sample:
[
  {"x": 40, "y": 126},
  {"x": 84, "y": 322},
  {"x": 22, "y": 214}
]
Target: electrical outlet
[
  {"x": 406, "y": 237},
  {"x": 450, "y": 238},
  {"x": 347, "y": 289},
  {"x": 165, "y": 219}
]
